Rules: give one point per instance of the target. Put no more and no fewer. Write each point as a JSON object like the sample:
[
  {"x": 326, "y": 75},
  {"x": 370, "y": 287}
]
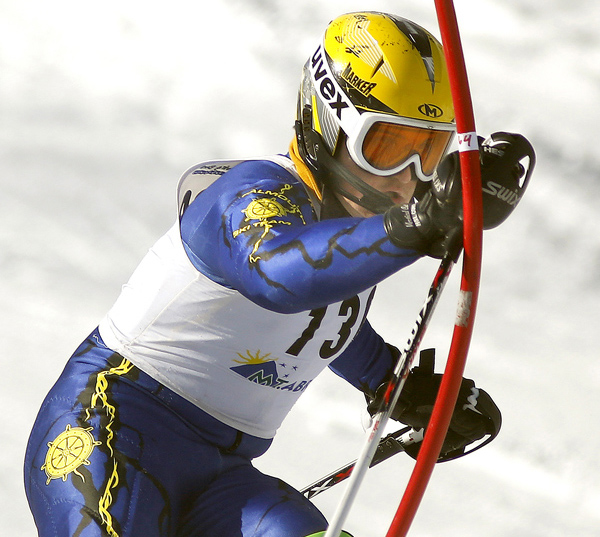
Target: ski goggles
[{"x": 385, "y": 145}]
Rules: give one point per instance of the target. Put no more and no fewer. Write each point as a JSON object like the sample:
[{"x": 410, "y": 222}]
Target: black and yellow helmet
[{"x": 378, "y": 83}]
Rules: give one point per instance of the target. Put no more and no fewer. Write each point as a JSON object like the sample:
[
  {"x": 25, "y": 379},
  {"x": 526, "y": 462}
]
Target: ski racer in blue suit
[{"x": 264, "y": 280}]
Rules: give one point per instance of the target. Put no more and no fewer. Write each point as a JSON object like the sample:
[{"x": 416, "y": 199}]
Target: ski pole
[
  {"x": 394, "y": 386},
  {"x": 388, "y": 446}
]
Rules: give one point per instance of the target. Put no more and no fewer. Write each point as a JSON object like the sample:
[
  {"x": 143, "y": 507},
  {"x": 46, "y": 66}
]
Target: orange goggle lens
[{"x": 388, "y": 145}]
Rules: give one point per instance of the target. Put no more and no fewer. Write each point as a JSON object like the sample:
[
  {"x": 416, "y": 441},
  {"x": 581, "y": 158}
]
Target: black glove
[
  {"x": 507, "y": 162},
  {"x": 426, "y": 225},
  {"x": 475, "y": 413}
]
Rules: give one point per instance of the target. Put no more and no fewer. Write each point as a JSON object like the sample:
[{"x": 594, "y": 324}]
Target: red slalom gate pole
[{"x": 469, "y": 289}]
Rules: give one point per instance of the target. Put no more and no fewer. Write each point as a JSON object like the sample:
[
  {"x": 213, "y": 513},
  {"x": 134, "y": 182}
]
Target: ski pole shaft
[{"x": 394, "y": 387}]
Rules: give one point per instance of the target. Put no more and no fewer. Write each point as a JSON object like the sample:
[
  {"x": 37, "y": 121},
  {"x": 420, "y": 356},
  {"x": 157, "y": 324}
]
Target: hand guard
[{"x": 475, "y": 414}]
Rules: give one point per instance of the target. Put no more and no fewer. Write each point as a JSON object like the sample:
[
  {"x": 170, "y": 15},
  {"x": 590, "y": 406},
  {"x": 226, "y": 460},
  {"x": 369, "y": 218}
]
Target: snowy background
[{"x": 104, "y": 105}]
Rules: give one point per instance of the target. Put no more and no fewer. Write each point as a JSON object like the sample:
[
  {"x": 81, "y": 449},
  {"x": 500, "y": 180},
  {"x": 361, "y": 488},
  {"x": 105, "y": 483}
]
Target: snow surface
[{"x": 104, "y": 105}]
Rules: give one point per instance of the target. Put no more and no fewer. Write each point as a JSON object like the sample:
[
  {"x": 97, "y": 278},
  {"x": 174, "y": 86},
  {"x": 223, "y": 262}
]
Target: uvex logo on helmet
[
  {"x": 326, "y": 85},
  {"x": 431, "y": 110}
]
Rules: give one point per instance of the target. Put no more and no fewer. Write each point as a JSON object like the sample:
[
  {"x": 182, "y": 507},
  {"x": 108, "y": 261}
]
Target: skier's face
[{"x": 399, "y": 187}]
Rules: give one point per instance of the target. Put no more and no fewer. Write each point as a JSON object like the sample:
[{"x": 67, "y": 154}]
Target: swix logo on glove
[{"x": 504, "y": 194}]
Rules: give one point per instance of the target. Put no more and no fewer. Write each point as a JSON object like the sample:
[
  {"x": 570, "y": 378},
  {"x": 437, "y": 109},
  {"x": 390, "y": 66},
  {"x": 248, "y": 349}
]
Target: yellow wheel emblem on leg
[{"x": 69, "y": 450}]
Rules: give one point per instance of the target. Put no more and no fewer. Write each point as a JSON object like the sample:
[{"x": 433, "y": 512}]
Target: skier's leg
[
  {"x": 243, "y": 502},
  {"x": 108, "y": 457},
  {"x": 79, "y": 478}
]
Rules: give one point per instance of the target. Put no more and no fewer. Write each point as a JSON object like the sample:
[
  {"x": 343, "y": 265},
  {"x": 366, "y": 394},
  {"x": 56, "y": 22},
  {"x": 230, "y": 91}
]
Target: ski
[{"x": 388, "y": 446}]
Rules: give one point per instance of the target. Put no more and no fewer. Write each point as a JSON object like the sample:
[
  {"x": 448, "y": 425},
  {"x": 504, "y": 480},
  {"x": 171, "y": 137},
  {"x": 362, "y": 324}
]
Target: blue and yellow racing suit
[{"x": 151, "y": 428}]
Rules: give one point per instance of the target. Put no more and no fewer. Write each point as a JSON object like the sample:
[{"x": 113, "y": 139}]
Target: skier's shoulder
[
  {"x": 232, "y": 178},
  {"x": 277, "y": 168}
]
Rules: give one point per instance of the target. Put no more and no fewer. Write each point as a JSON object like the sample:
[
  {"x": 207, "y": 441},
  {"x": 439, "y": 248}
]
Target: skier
[{"x": 264, "y": 280}]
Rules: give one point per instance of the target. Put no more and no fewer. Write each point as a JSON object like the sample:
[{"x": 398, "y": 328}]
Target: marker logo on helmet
[{"x": 356, "y": 82}]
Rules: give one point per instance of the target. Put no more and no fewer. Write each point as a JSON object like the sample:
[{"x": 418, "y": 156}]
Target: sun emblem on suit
[
  {"x": 265, "y": 211},
  {"x": 259, "y": 368},
  {"x": 69, "y": 450},
  {"x": 264, "y": 208}
]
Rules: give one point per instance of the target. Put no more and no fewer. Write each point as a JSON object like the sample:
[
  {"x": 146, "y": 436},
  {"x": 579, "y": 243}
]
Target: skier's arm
[
  {"x": 366, "y": 362},
  {"x": 262, "y": 238}
]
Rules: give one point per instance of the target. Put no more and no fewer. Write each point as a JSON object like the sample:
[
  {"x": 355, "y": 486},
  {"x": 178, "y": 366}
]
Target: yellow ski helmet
[{"x": 378, "y": 83}]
